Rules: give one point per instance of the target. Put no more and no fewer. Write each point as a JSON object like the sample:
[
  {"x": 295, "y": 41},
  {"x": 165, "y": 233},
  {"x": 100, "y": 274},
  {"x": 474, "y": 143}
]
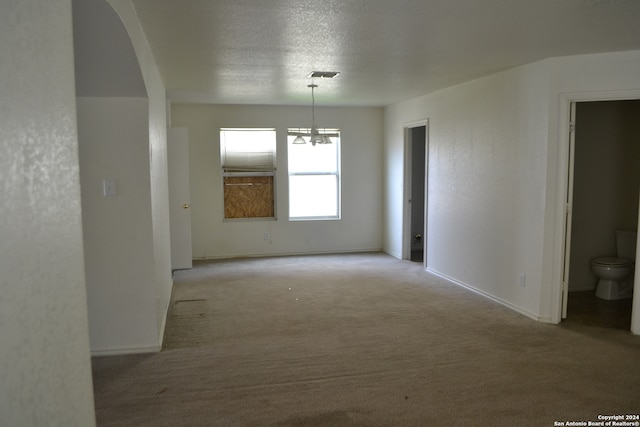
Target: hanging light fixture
[
  {"x": 299, "y": 139},
  {"x": 316, "y": 135}
]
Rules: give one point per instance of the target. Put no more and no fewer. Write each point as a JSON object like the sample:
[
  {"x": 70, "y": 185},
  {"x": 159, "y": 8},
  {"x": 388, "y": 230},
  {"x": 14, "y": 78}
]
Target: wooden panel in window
[{"x": 248, "y": 197}]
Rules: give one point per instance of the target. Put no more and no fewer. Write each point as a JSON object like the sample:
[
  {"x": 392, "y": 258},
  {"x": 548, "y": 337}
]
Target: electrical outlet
[
  {"x": 108, "y": 187},
  {"x": 523, "y": 280},
  {"x": 267, "y": 235}
]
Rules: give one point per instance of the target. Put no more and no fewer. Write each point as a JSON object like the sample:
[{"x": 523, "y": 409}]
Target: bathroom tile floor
[{"x": 584, "y": 307}]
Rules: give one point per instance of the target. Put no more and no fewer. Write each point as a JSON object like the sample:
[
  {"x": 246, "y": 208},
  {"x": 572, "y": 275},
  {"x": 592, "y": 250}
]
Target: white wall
[
  {"x": 127, "y": 242},
  {"x": 359, "y": 228},
  {"x": 118, "y": 233},
  {"x": 45, "y": 371},
  {"x": 484, "y": 180},
  {"x": 106, "y": 64},
  {"x": 495, "y": 208},
  {"x": 159, "y": 178}
]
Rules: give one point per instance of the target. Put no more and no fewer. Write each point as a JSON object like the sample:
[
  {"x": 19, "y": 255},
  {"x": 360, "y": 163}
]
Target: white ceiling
[{"x": 261, "y": 51}]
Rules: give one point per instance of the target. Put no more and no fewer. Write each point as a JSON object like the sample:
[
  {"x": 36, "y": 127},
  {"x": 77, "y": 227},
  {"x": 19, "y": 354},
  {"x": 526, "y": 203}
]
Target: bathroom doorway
[
  {"x": 603, "y": 197},
  {"x": 415, "y": 218}
]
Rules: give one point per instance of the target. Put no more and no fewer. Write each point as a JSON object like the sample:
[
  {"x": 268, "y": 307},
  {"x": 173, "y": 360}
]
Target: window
[
  {"x": 248, "y": 158},
  {"x": 314, "y": 177}
]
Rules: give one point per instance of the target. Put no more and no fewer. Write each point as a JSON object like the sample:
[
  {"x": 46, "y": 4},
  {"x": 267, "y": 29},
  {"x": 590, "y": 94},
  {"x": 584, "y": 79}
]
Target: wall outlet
[
  {"x": 267, "y": 235},
  {"x": 108, "y": 187},
  {"x": 523, "y": 280}
]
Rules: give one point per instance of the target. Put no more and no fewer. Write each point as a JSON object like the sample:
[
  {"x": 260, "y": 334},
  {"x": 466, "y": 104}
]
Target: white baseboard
[
  {"x": 279, "y": 254},
  {"x": 125, "y": 350},
  {"x": 516, "y": 308},
  {"x": 164, "y": 318}
]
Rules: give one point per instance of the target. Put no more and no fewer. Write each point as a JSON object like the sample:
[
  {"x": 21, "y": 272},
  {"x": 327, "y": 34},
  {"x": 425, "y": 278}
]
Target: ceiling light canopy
[{"x": 323, "y": 74}]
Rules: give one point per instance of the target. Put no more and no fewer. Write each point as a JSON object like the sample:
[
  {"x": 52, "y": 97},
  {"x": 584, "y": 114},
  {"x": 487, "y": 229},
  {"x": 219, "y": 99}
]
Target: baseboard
[
  {"x": 125, "y": 350},
  {"x": 511, "y": 306},
  {"x": 282, "y": 254},
  {"x": 164, "y": 318}
]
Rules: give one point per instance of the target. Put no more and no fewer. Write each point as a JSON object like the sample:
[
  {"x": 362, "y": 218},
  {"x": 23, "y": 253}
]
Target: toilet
[{"x": 615, "y": 274}]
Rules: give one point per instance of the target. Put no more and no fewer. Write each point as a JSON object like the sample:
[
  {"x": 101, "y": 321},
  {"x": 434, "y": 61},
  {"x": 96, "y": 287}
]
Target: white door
[{"x": 179, "y": 197}]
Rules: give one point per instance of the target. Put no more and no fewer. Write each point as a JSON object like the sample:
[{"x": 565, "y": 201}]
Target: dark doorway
[{"x": 417, "y": 141}]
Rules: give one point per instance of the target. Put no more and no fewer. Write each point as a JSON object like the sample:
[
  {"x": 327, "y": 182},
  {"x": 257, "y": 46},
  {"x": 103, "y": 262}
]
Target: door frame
[
  {"x": 406, "y": 201},
  {"x": 565, "y": 184},
  {"x": 568, "y": 209}
]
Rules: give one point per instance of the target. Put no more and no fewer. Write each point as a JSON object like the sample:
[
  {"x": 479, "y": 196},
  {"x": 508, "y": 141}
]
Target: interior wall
[
  {"x": 606, "y": 183},
  {"x": 159, "y": 169},
  {"x": 127, "y": 243},
  {"x": 106, "y": 64},
  {"x": 497, "y": 175},
  {"x": 160, "y": 203},
  {"x": 118, "y": 234},
  {"x": 45, "y": 368},
  {"x": 485, "y": 177},
  {"x": 361, "y": 179}
]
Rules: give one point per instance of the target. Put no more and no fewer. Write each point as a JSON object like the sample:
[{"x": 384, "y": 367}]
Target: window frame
[
  {"x": 336, "y": 136},
  {"x": 260, "y": 172}
]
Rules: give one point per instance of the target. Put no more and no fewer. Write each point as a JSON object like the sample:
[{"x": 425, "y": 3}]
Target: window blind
[{"x": 248, "y": 150}]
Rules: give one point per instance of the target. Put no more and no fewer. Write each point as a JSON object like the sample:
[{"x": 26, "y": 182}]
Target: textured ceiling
[{"x": 261, "y": 51}]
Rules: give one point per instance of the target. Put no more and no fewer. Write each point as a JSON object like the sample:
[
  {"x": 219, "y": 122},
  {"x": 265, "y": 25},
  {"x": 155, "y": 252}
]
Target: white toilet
[{"x": 616, "y": 273}]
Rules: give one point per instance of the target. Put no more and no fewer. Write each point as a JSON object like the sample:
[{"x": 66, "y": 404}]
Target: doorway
[
  {"x": 415, "y": 208},
  {"x": 603, "y": 197}
]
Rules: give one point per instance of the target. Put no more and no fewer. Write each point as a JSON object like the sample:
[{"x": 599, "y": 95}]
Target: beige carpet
[{"x": 362, "y": 340}]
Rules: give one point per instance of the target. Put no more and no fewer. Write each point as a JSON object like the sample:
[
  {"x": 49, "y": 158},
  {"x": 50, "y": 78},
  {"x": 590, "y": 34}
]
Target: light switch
[{"x": 109, "y": 187}]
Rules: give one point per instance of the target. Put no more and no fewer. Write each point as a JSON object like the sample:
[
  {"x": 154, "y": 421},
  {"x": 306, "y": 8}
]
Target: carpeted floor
[{"x": 361, "y": 340}]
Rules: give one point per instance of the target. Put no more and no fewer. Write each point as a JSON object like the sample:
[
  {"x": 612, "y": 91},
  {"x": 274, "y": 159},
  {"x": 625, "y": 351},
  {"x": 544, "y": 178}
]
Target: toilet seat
[{"x": 612, "y": 262}]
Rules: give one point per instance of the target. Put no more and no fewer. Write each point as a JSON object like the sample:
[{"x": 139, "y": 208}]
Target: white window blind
[{"x": 248, "y": 150}]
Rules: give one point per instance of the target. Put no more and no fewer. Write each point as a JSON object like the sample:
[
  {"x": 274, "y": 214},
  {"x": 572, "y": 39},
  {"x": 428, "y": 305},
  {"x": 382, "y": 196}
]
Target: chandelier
[{"x": 316, "y": 135}]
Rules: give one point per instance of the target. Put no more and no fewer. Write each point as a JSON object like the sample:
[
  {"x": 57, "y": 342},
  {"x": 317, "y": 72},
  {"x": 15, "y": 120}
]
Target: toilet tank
[{"x": 626, "y": 244}]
